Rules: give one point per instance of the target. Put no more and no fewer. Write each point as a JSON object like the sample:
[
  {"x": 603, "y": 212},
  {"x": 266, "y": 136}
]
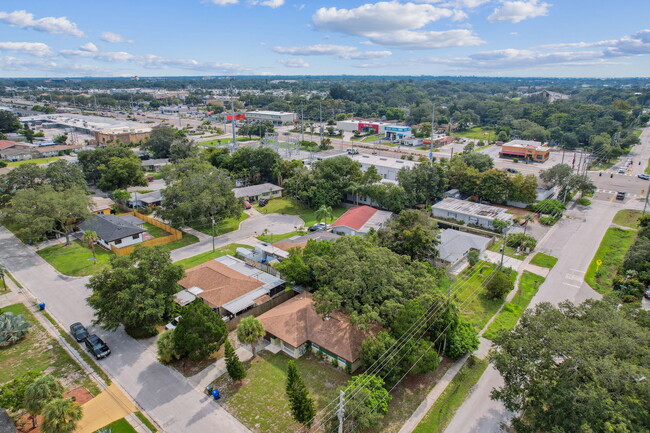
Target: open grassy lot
[
  {"x": 627, "y": 218},
  {"x": 509, "y": 315},
  {"x": 452, "y": 397},
  {"x": 611, "y": 251},
  {"x": 222, "y": 227},
  {"x": 119, "y": 426},
  {"x": 187, "y": 239},
  {"x": 74, "y": 260},
  {"x": 230, "y": 249},
  {"x": 469, "y": 289},
  {"x": 276, "y": 238},
  {"x": 544, "y": 260},
  {"x": 154, "y": 231},
  {"x": 510, "y": 252},
  {"x": 477, "y": 133},
  {"x": 40, "y": 352},
  {"x": 260, "y": 401},
  {"x": 33, "y": 161},
  {"x": 290, "y": 206},
  {"x": 369, "y": 138}
]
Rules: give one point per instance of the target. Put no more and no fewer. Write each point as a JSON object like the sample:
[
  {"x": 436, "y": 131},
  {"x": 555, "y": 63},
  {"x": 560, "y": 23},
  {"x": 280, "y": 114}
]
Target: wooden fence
[{"x": 174, "y": 235}]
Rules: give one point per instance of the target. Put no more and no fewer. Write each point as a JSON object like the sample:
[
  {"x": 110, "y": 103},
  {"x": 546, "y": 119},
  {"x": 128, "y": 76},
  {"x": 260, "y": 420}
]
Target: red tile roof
[
  {"x": 5, "y": 144},
  {"x": 356, "y": 217}
]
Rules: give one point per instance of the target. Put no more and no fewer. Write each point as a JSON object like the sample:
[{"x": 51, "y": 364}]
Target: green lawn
[
  {"x": 119, "y": 426},
  {"x": 39, "y": 352},
  {"x": 225, "y": 226},
  {"x": 477, "y": 133},
  {"x": 3, "y": 286},
  {"x": 469, "y": 286},
  {"x": 373, "y": 137},
  {"x": 277, "y": 238},
  {"x": 647, "y": 169},
  {"x": 510, "y": 252},
  {"x": 452, "y": 397},
  {"x": 260, "y": 401},
  {"x": 154, "y": 231},
  {"x": 33, "y": 161},
  {"x": 187, "y": 239},
  {"x": 544, "y": 260},
  {"x": 154, "y": 174},
  {"x": 73, "y": 260},
  {"x": 290, "y": 206},
  {"x": 509, "y": 315},
  {"x": 627, "y": 218},
  {"x": 230, "y": 249},
  {"x": 144, "y": 420},
  {"x": 611, "y": 251}
]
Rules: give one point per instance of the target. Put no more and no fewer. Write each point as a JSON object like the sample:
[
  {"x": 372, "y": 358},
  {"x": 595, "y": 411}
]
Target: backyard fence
[{"x": 174, "y": 235}]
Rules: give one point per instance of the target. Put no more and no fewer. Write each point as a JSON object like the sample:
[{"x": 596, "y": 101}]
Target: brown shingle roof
[
  {"x": 296, "y": 322},
  {"x": 219, "y": 283}
]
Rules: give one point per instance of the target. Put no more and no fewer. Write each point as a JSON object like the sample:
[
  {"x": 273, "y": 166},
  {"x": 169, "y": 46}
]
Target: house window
[
  {"x": 136, "y": 236},
  {"x": 117, "y": 242}
]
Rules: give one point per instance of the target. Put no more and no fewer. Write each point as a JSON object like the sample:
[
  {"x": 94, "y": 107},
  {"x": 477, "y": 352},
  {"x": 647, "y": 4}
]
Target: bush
[
  {"x": 584, "y": 202},
  {"x": 499, "y": 285},
  {"x": 13, "y": 327},
  {"x": 548, "y": 220},
  {"x": 515, "y": 160},
  {"x": 462, "y": 339},
  {"x": 472, "y": 257},
  {"x": 520, "y": 240},
  {"x": 165, "y": 343},
  {"x": 550, "y": 207}
]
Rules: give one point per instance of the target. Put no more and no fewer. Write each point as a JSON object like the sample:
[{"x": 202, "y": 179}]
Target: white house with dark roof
[
  {"x": 113, "y": 230},
  {"x": 254, "y": 193}
]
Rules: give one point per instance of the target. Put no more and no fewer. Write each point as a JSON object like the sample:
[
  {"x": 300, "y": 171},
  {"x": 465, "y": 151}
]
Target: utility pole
[
  {"x": 563, "y": 151},
  {"x": 433, "y": 116},
  {"x": 212, "y": 233},
  {"x": 503, "y": 249},
  {"x": 320, "y": 109},
  {"x": 232, "y": 120},
  {"x": 341, "y": 410},
  {"x": 646, "y": 202},
  {"x": 302, "y": 124}
]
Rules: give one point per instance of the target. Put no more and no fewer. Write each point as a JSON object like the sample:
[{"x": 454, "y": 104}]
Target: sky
[{"x": 508, "y": 38}]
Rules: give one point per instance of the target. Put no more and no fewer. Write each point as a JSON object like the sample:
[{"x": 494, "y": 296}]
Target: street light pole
[{"x": 212, "y": 233}]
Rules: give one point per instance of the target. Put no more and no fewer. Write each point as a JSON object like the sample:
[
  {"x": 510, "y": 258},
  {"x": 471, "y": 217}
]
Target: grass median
[
  {"x": 611, "y": 252},
  {"x": 628, "y": 218},
  {"x": 543, "y": 260}
]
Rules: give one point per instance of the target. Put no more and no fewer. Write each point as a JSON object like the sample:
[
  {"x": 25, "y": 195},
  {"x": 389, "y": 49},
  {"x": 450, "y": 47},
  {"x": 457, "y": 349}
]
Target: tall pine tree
[
  {"x": 233, "y": 364},
  {"x": 301, "y": 404}
]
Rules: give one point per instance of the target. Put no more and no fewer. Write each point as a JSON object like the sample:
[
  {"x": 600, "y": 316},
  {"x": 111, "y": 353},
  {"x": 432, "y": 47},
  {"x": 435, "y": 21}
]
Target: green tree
[
  {"x": 61, "y": 415},
  {"x": 523, "y": 188},
  {"x": 44, "y": 210},
  {"x": 160, "y": 141},
  {"x": 182, "y": 148},
  {"x": 28, "y": 133},
  {"x": 370, "y": 176},
  {"x": 196, "y": 193},
  {"x": 300, "y": 403},
  {"x": 323, "y": 213},
  {"x": 199, "y": 333},
  {"x": 472, "y": 257},
  {"x": 39, "y": 393},
  {"x": 500, "y": 225},
  {"x": 254, "y": 164},
  {"x": 121, "y": 173},
  {"x": 499, "y": 285},
  {"x": 558, "y": 175},
  {"x": 8, "y": 121},
  {"x": 463, "y": 339},
  {"x": 136, "y": 291},
  {"x": 233, "y": 364},
  {"x": 479, "y": 161},
  {"x": 423, "y": 183},
  {"x": 494, "y": 186},
  {"x": 366, "y": 404},
  {"x": 121, "y": 196},
  {"x": 250, "y": 331},
  {"x": 90, "y": 237},
  {"x": 166, "y": 350},
  {"x": 63, "y": 175},
  {"x": 90, "y": 160},
  {"x": 12, "y": 394},
  {"x": 576, "y": 368},
  {"x": 413, "y": 234}
]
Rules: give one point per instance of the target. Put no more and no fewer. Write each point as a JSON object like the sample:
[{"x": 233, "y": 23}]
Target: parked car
[
  {"x": 512, "y": 170},
  {"x": 353, "y": 151},
  {"x": 97, "y": 347},
  {"x": 644, "y": 176},
  {"x": 647, "y": 294},
  {"x": 263, "y": 202},
  {"x": 318, "y": 226},
  {"x": 173, "y": 324},
  {"x": 247, "y": 205},
  {"x": 150, "y": 178},
  {"x": 78, "y": 331},
  {"x": 620, "y": 195},
  {"x": 621, "y": 170}
]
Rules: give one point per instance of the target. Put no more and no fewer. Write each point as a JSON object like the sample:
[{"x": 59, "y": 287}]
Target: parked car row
[
  {"x": 93, "y": 343},
  {"x": 319, "y": 227}
]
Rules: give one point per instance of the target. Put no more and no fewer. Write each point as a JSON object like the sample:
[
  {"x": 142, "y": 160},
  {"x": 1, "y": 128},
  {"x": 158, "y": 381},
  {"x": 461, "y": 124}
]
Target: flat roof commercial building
[
  {"x": 386, "y": 167},
  {"x": 468, "y": 212},
  {"x": 525, "y": 149},
  {"x": 124, "y": 135},
  {"x": 391, "y": 131},
  {"x": 275, "y": 117}
]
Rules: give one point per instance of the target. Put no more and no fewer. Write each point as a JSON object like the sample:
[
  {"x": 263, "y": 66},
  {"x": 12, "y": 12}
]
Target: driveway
[{"x": 161, "y": 391}]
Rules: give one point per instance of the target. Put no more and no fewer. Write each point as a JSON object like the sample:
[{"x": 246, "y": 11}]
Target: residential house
[
  {"x": 454, "y": 245},
  {"x": 468, "y": 212},
  {"x": 14, "y": 151},
  {"x": 280, "y": 250},
  {"x": 386, "y": 167},
  {"x": 153, "y": 198},
  {"x": 132, "y": 219},
  {"x": 112, "y": 231},
  {"x": 101, "y": 205},
  {"x": 230, "y": 286},
  {"x": 294, "y": 326},
  {"x": 6, "y": 423},
  {"x": 154, "y": 165},
  {"x": 254, "y": 193},
  {"x": 358, "y": 220}
]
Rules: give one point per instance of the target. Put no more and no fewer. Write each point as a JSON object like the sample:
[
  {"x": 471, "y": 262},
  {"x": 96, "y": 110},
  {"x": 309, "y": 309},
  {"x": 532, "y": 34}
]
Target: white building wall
[{"x": 128, "y": 241}]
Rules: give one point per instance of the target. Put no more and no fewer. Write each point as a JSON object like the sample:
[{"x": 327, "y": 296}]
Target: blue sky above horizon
[{"x": 549, "y": 38}]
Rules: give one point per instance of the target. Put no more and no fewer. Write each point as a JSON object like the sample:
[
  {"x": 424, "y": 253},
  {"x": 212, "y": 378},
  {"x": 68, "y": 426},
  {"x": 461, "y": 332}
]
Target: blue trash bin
[
  {"x": 41, "y": 306},
  {"x": 216, "y": 394}
]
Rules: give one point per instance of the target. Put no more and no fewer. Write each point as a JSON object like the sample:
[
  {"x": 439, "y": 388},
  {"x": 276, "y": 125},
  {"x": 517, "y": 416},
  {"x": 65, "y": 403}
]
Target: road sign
[{"x": 599, "y": 262}]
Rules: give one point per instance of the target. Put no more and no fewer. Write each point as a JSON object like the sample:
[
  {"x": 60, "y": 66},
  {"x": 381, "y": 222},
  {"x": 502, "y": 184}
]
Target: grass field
[
  {"x": 277, "y": 238},
  {"x": 154, "y": 231},
  {"x": 119, "y": 426},
  {"x": 369, "y": 138},
  {"x": 510, "y": 252},
  {"x": 33, "y": 161},
  {"x": 40, "y": 352},
  {"x": 292, "y": 207},
  {"x": 187, "y": 239},
  {"x": 477, "y": 133},
  {"x": 230, "y": 249},
  {"x": 260, "y": 401},
  {"x": 452, "y": 397},
  {"x": 509, "y": 315},
  {"x": 627, "y": 218},
  {"x": 611, "y": 251},
  {"x": 73, "y": 259},
  {"x": 225, "y": 226},
  {"x": 543, "y": 260}
]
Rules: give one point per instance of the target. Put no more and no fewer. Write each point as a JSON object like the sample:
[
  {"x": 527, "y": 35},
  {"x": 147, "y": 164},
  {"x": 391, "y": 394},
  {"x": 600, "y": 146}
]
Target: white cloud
[
  {"x": 269, "y": 3},
  {"x": 468, "y": 4},
  {"x": 89, "y": 47},
  {"x": 224, "y": 2},
  {"x": 517, "y": 11},
  {"x": 38, "y": 49},
  {"x": 340, "y": 51},
  {"x": 413, "y": 40},
  {"x": 17, "y": 64},
  {"x": 54, "y": 25},
  {"x": 637, "y": 43},
  {"x": 114, "y": 38},
  {"x": 294, "y": 63}
]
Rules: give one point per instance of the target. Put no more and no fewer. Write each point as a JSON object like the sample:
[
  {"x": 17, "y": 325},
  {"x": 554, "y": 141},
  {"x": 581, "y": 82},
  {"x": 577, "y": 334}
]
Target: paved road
[{"x": 162, "y": 392}]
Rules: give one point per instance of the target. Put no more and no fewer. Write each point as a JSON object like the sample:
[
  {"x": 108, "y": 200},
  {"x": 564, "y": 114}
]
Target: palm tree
[
  {"x": 323, "y": 213},
  {"x": 250, "y": 331},
  {"x": 355, "y": 188},
  {"x": 37, "y": 395},
  {"x": 90, "y": 238},
  {"x": 61, "y": 415}
]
